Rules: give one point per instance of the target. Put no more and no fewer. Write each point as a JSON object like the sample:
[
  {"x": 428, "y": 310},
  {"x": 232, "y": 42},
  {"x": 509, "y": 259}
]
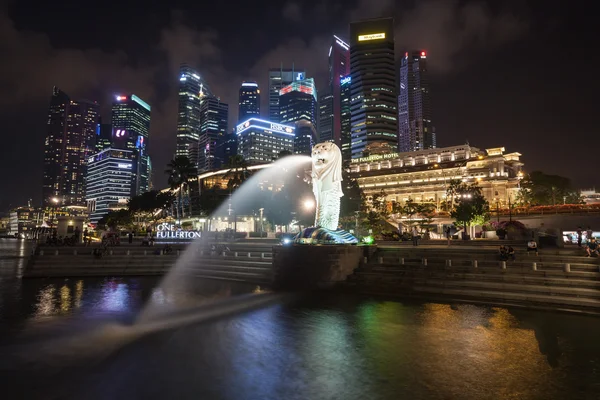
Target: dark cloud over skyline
[{"x": 494, "y": 69}]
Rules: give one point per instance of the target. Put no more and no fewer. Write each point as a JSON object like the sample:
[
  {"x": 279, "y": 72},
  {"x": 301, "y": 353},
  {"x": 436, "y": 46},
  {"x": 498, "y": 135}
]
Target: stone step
[
  {"x": 242, "y": 268},
  {"x": 509, "y": 287},
  {"x": 488, "y": 264}
]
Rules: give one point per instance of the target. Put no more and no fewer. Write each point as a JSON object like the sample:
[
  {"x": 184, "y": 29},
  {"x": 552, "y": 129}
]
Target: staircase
[
  {"x": 557, "y": 279},
  {"x": 249, "y": 262}
]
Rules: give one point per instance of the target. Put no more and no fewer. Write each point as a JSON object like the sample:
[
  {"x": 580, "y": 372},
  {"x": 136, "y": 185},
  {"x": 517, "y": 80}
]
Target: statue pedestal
[{"x": 301, "y": 267}]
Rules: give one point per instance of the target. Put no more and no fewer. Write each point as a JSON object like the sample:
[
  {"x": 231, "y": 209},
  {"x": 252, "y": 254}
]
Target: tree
[
  {"x": 470, "y": 206},
  {"x": 352, "y": 200},
  {"x": 237, "y": 172},
  {"x": 180, "y": 170},
  {"x": 379, "y": 203},
  {"x": 116, "y": 219},
  {"x": 149, "y": 205},
  {"x": 454, "y": 185},
  {"x": 538, "y": 188}
]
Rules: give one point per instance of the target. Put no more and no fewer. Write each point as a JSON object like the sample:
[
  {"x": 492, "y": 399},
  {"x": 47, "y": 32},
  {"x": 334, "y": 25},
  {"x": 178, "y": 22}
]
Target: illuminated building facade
[
  {"x": 373, "y": 86},
  {"x": 70, "y": 139},
  {"x": 130, "y": 130},
  {"x": 191, "y": 89},
  {"x": 339, "y": 67},
  {"x": 249, "y": 104},
  {"x": 214, "y": 116},
  {"x": 298, "y": 105},
  {"x": 416, "y": 132},
  {"x": 103, "y": 136},
  {"x": 278, "y": 78},
  {"x": 345, "y": 118},
  {"x": 424, "y": 175},
  {"x": 109, "y": 181},
  {"x": 326, "y": 117},
  {"x": 261, "y": 141}
]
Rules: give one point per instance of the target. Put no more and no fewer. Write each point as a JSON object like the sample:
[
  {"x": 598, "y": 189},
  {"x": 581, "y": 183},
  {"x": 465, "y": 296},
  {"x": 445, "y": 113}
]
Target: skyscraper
[
  {"x": 416, "y": 132},
  {"x": 103, "y": 136},
  {"x": 326, "y": 117},
  {"x": 345, "y": 117},
  {"x": 131, "y": 128},
  {"x": 214, "y": 116},
  {"x": 373, "y": 87},
  {"x": 339, "y": 66},
  {"x": 70, "y": 139},
  {"x": 278, "y": 78},
  {"x": 191, "y": 88},
  {"x": 249, "y": 104},
  {"x": 298, "y": 102},
  {"x": 261, "y": 141},
  {"x": 109, "y": 180}
]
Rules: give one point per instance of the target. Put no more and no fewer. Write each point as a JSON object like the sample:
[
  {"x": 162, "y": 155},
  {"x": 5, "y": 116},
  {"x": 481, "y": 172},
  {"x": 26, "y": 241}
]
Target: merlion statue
[{"x": 327, "y": 184}]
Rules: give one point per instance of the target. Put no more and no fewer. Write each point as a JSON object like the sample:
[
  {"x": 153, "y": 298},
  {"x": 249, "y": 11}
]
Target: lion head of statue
[{"x": 327, "y": 161}]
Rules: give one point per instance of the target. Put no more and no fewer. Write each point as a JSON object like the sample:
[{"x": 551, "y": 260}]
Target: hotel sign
[
  {"x": 373, "y": 36},
  {"x": 376, "y": 157},
  {"x": 169, "y": 231}
]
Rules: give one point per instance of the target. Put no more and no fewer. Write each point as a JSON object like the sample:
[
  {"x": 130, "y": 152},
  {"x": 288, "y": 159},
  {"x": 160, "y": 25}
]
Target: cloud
[
  {"x": 454, "y": 33},
  {"x": 292, "y": 11}
]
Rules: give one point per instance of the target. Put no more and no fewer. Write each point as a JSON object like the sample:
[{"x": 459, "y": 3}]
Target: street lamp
[
  {"x": 308, "y": 204},
  {"x": 261, "y": 220}
]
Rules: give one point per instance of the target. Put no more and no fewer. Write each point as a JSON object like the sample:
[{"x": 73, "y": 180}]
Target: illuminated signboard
[
  {"x": 169, "y": 231},
  {"x": 300, "y": 76},
  {"x": 345, "y": 80},
  {"x": 375, "y": 157},
  {"x": 263, "y": 124},
  {"x": 373, "y": 36},
  {"x": 121, "y": 98},
  {"x": 120, "y": 133},
  {"x": 124, "y": 165},
  {"x": 140, "y": 142}
]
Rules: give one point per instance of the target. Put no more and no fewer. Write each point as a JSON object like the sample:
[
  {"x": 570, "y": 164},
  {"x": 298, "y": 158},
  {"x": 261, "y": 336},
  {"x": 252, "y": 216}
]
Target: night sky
[{"x": 523, "y": 75}]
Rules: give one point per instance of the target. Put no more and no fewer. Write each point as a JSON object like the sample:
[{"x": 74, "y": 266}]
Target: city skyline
[{"x": 472, "y": 91}]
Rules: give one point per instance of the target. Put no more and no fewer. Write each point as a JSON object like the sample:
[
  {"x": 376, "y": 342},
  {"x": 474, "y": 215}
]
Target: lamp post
[
  {"x": 261, "y": 220},
  {"x": 55, "y": 201}
]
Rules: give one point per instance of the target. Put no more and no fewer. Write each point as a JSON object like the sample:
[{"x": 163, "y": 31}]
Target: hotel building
[{"x": 423, "y": 176}]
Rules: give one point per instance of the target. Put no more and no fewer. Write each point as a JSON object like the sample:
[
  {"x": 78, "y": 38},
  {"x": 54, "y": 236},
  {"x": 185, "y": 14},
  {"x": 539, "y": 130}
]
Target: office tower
[
  {"x": 213, "y": 126},
  {"x": 70, "y": 139},
  {"x": 226, "y": 147},
  {"x": 261, "y": 141},
  {"x": 326, "y": 117},
  {"x": 345, "y": 117},
  {"x": 249, "y": 104},
  {"x": 103, "y": 136},
  {"x": 373, "y": 87},
  {"x": 339, "y": 66},
  {"x": 109, "y": 181},
  {"x": 298, "y": 102},
  {"x": 130, "y": 129},
  {"x": 416, "y": 132},
  {"x": 278, "y": 78},
  {"x": 191, "y": 89}
]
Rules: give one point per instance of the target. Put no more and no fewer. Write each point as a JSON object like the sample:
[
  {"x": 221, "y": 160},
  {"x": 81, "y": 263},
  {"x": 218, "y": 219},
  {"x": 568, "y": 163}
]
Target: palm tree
[
  {"x": 180, "y": 170},
  {"x": 236, "y": 175}
]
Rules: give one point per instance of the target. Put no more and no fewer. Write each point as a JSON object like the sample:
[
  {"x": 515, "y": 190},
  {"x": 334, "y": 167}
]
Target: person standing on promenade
[
  {"x": 415, "y": 236},
  {"x": 579, "y": 235},
  {"x": 448, "y": 234}
]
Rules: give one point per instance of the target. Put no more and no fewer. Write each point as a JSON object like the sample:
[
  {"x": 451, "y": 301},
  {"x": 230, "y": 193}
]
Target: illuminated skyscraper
[
  {"x": 130, "y": 130},
  {"x": 298, "y": 102},
  {"x": 278, "y": 78},
  {"x": 191, "y": 88},
  {"x": 345, "y": 117},
  {"x": 416, "y": 132},
  {"x": 214, "y": 116},
  {"x": 249, "y": 104},
  {"x": 374, "y": 98},
  {"x": 326, "y": 117},
  {"x": 109, "y": 180},
  {"x": 103, "y": 136},
  {"x": 260, "y": 141},
  {"x": 70, "y": 139},
  {"x": 339, "y": 66}
]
